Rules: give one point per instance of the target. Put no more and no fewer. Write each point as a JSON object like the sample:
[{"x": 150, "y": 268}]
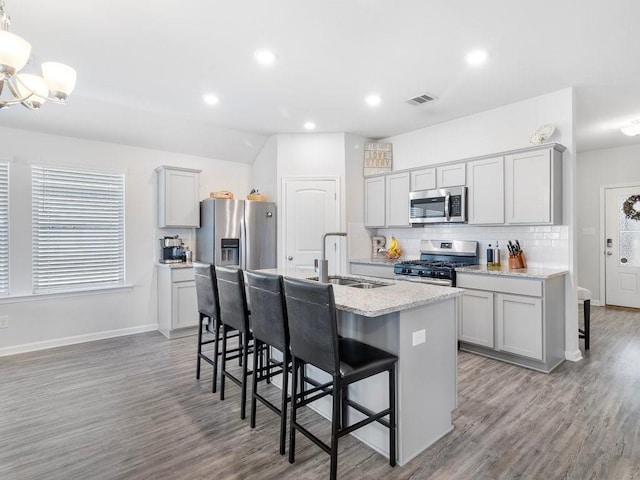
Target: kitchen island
[{"x": 418, "y": 323}]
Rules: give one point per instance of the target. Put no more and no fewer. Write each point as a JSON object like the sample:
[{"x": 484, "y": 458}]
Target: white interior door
[
  {"x": 311, "y": 210},
  {"x": 622, "y": 247}
]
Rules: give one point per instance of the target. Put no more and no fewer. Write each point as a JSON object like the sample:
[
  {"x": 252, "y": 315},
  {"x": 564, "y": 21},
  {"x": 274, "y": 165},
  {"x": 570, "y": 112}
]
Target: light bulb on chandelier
[{"x": 56, "y": 83}]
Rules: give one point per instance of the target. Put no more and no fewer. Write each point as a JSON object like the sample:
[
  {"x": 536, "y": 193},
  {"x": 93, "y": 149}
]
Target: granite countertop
[
  {"x": 394, "y": 297},
  {"x": 175, "y": 265},
  {"x": 541, "y": 273}
]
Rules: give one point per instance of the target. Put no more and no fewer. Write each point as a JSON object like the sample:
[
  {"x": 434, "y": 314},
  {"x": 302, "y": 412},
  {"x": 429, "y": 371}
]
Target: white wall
[
  {"x": 502, "y": 129},
  {"x": 613, "y": 166},
  {"x": 265, "y": 177},
  {"x": 312, "y": 155},
  {"x": 358, "y": 239},
  {"x": 49, "y": 321}
]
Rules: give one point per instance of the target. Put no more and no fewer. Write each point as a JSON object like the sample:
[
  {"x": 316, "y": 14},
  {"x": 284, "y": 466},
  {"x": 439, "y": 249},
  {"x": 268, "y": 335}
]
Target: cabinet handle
[{"x": 289, "y": 258}]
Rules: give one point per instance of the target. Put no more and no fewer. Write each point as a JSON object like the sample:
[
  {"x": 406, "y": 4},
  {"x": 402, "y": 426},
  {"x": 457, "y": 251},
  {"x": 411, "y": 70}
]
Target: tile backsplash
[{"x": 543, "y": 246}]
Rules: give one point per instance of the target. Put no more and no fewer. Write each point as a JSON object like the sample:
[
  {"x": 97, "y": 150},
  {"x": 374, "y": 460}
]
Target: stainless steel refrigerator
[{"x": 237, "y": 233}]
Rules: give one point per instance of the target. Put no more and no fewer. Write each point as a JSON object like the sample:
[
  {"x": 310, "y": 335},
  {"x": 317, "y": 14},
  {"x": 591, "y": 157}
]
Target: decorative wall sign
[
  {"x": 377, "y": 158},
  {"x": 631, "y": 207}
]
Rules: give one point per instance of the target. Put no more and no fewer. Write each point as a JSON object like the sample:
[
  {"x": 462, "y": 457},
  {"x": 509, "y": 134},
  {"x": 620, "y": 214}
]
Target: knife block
[{"x": 517, "y": 261}]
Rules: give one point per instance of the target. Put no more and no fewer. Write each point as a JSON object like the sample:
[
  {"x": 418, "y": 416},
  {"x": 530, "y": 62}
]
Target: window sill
[{"x": 69, "y": 294}]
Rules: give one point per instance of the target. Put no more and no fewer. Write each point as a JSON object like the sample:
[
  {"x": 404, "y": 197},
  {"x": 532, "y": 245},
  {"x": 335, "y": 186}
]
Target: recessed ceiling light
[
  {"x": 309, "y": 126},
  {"x": 210, "y": 99},
  {"x": 265, "y": 57},
  {"x": 373, "y": 100},
  {"x": 632, "y": 129},
  {"x": 476, "y": 57}
]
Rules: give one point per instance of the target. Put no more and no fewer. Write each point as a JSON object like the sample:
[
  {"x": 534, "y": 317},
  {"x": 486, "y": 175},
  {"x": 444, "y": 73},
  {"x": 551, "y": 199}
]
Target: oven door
[{"x": 445, "y": 205}]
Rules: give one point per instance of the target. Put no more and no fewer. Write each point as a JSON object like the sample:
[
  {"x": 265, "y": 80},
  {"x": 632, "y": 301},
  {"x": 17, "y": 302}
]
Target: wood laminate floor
[{"x": 130, "y": 408}]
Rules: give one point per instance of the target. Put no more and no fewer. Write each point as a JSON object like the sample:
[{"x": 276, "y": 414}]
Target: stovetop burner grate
[{"x": 434, "y": 264}]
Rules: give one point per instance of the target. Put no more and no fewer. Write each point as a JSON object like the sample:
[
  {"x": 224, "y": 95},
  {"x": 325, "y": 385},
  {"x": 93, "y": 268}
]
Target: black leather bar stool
[
  {"x": 209, "y": 310},
  {"x": 313, "y": 328},
  {"x": 584, "y": 294},
  {"x": 234, "y": 313},
  {"x": 270, "y": 329}
]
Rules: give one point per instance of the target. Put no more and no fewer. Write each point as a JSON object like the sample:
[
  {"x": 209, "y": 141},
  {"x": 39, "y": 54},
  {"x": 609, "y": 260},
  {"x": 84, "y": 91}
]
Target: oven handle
[{"x": 447, "y": 200}]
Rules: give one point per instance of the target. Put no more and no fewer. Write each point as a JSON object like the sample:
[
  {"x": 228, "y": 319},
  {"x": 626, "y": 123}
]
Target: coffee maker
[{"x": 171, "y": 250}]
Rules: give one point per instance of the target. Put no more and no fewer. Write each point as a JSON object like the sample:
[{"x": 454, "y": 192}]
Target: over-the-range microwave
[{"x": 443, "y": 205}]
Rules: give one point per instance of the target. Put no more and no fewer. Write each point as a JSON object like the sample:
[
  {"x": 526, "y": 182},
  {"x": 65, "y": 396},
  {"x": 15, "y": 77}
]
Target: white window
[
  {"x": 78, "y": 229},
  {"x": 4, "y": 229}
]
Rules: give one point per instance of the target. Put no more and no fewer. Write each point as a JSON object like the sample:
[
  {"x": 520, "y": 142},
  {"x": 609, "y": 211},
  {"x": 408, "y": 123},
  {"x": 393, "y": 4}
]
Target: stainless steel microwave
[{"x": 443, "y": 205}]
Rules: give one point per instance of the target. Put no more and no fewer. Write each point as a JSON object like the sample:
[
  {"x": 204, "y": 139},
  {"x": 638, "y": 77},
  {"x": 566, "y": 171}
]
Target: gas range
[{"x": 438, "y": 261}]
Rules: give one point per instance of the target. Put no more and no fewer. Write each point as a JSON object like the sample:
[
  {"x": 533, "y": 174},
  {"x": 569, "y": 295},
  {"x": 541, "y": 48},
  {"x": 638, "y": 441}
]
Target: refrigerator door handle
[{"x": 243, "y": 245}]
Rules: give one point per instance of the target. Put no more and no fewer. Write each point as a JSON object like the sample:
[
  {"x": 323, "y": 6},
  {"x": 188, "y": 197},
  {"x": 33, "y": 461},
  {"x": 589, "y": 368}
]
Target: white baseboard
[
  {"x": 573, "y": 356},
  {"x": 61, "y": 342}
]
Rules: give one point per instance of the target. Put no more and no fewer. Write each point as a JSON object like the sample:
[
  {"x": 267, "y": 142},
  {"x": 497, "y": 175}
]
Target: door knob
[{"x": 289, "y": 258}]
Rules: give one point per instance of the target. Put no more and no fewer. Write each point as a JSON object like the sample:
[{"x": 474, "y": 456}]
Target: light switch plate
[{"x": 419, "y": 337}]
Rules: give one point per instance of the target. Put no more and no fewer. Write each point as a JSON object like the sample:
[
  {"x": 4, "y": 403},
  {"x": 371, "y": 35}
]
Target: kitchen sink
[{"x": 353, "y": 282}]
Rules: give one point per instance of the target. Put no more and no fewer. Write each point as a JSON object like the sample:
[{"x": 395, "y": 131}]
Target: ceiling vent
[{"x": 421, "y": 99}]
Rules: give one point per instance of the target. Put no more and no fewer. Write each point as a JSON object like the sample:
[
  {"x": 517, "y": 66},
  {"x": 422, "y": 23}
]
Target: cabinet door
[
  {"x": 424, "y": 179},
  {"x": 486, "y": 191},
  {"x": 528, "y": 187},
  {"x": 519, "y": 325},
  {"x": 383, "y": 271},
  {"x": 476, "y": 321},
  {"x": 374, "y": 202},
  {"x": 451, "y": 175},
  {"x": 184, "y": 305},
  {"x": 178, "y": 192},
  {"x": 398, "y": 200}
]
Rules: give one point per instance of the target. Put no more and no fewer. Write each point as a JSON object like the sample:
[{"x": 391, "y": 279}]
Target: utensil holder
[{"x": 517, "y": 261}]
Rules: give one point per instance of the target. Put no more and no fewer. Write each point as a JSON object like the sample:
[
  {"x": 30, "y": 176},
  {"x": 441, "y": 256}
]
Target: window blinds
[
  {"x": 78, "y": 229},
  {"x": 4, "y": 229}
]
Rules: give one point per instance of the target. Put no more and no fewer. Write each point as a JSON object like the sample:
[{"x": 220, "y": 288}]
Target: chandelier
[{"x": 56, "y": 83}]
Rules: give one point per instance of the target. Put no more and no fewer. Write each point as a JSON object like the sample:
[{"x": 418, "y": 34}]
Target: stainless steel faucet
[{"x": 323, "y": 264}]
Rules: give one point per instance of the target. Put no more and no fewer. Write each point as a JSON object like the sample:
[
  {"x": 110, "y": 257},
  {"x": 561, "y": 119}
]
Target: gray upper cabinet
[
  {"x": 451, "y": 175},
  {"x": 178, "y": 197},
  {"x": 374, "y": 202},
  {"x": 521, "y": 187},
  {"x": 398, "y": 200},
  {"x": 533, "y": 187},
  {"x": 386, "y": 200},
  {"x": 423, "y": 179},
  {"x": 485, "y": 194}
]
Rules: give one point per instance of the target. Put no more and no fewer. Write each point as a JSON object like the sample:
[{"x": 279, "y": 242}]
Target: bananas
[{"x": 393, "y": 251}]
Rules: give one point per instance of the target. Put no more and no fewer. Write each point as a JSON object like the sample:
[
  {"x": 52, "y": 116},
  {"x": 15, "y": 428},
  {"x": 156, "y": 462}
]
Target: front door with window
[{"x": 622, "y": 246}]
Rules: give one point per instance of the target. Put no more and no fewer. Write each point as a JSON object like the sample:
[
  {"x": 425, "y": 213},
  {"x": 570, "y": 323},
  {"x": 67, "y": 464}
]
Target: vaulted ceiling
[{"x": 143, "y": 67}]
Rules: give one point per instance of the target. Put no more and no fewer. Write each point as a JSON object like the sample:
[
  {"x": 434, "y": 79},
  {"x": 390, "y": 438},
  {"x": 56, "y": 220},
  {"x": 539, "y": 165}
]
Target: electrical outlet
[
  {"x": 419, "y": 337},
  {"x": 4, "y": 321}
]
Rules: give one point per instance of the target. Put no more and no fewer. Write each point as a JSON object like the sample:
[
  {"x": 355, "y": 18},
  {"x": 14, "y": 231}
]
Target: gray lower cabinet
[
  {"x": 518, "y": 320},
  {"x": 384, "y": 270},
  {"x": 177, "y": 303},
  {"x": 476, "y": 325},
  {"x": 519, "y": 325}
]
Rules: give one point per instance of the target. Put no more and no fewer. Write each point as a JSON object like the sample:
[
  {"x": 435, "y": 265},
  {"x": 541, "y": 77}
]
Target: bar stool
[
  {"x": 209, "y": 309},
  {"x": 584, "y": 294},
  {"x": 313, "y": 328},
  {"x": 234, "y": 313},
  {"x": 270, "y": 329}
]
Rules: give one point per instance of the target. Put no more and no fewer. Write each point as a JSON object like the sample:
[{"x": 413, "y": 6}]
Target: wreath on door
[{"x": 631, "y": 207}]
